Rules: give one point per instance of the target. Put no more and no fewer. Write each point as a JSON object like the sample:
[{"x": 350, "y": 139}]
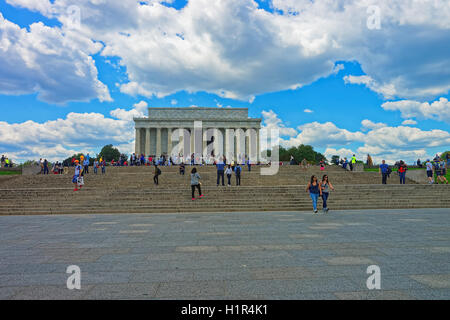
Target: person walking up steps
[
  {"x": 325, "y": 188},
  {"x": 77, "y": 179},
  {"x": 229, "y": 172},
  {"x": 402, "y": 172},
  {"x": 384, "y": 168},
  {"x": 314, "y": 191},
  {"x": 429, "y": 166},
  {"x": 182, "y": 169},
  {"x": 195, "y": 183},
  {"x": 220, "y": 171},
  {"x": 157, "y": 174},
  {"x": 237, "y": 172}
]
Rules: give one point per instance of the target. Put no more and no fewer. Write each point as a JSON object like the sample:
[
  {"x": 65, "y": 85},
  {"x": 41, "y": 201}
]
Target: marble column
[
  {"x": 137, "y": 144},
  {"x": 217, "y": 150},
  {"x": 229, "y": 145},
  {"x": 240, "y": 144},
  {"x": 169, "y": 142},
  {"x": 205, "y": 143},
  {"x": 247, "y": 142},
  {"x": 258, "y": 151},
  {"x": 191, "y": 150},
  {"x": 147, "y": 142},
  {"x": 181, "y": 142},
  {"x": 158, "y": 142}
]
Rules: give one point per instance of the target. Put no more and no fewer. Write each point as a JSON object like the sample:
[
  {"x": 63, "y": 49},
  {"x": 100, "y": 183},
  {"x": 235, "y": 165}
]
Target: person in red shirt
[{"x": 402, "y": 171}]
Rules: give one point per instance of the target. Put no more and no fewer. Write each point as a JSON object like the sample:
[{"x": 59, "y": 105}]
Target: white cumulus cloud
[{"x": 437, "y": 110}]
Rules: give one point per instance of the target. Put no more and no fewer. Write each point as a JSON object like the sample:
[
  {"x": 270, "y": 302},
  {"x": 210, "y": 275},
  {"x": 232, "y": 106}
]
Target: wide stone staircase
[{"x": 131, "y": 190}]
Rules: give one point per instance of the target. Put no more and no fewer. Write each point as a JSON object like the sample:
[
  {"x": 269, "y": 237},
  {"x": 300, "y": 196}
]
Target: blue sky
[{"x": 358, "y": 88}]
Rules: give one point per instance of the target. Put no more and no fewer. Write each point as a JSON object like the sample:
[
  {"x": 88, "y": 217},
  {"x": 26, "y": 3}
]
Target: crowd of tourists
[
  {"x": 164, "y": 160},
  {"x": 348, "y": 165},
  {"x": 436, "y": 169},
  {"x": 5, "y": 162}
]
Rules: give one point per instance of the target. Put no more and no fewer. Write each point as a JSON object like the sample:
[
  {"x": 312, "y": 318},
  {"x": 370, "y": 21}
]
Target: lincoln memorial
[{"x": 208, "y": 133}]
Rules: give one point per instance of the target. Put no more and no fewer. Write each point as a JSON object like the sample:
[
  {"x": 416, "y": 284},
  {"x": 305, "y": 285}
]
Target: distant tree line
[{"x": 301, "y": 152}]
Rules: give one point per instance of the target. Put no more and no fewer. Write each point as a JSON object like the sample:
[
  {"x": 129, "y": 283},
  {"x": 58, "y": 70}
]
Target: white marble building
[{"x": 207, "y": 132}]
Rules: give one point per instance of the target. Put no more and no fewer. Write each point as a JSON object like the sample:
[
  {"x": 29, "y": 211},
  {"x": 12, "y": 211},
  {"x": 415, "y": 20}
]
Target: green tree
[
  {"x": 335, "y": 159},
  {"x": 301, "y": 152},
  {"x": 109, "y": 153}
]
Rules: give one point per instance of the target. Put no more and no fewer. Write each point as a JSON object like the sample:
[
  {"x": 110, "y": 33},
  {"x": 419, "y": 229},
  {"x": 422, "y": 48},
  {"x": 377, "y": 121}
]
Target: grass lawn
[
  {"x": 393, "y": 169},
  {"x": 8, "y": 173}
]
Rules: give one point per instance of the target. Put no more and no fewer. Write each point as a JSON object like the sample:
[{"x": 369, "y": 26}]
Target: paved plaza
[{"x": 254, "y": 255}]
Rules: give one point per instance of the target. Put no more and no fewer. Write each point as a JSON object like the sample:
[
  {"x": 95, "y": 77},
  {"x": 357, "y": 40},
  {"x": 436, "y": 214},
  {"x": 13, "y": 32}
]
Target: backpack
[
  {"x": 238, "y": 170},
  {"x": 159, "y": 171}
]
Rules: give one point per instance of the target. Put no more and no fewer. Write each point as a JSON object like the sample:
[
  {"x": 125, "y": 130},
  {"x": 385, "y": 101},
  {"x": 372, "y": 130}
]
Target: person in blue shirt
[
  {"x": 344, "y": 165},
  {"x": 237, "y": 172},
  {"x": 220, "y": 165},
  {"x": 249, "y": 165},
  {"x": 315, "y": 191},
  {"x": 384, "y": 171},
  {"x": 86, "y": 164}
]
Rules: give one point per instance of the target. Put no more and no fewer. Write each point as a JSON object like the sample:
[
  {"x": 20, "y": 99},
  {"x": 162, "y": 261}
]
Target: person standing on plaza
[
  {"x": 353, "y": 163},
  {"x": 384, "y": 171},
  {"x": 195, "y": 183},
  {"x": 314, "y": 191},
  {"x": 86, "y": 164},
  {"x": 237, "y": 172},
  {"x": 402, "y": 171},
  {"x": 220, "y": 165},
  {"x": 96, "y": 166},
  {"x": 45, "y": 165},
  {"x": 229, "y": 172},
  {"x": 103, "y": 165},
  {"x": 325, "y": 187},
  {"x": 249, "y": 165},
  {"x": 440, "y": 171},
  {"x": 444, "y": 165}
]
